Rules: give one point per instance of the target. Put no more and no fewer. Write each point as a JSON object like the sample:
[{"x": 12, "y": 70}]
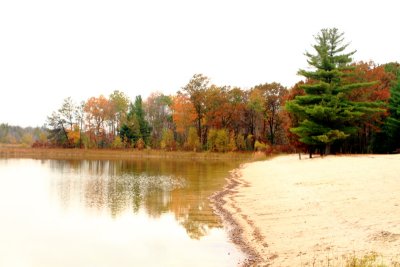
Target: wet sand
[{"x": 314, "y": 212}]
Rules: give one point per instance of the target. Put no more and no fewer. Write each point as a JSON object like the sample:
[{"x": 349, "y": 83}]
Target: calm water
[{"x": 112, "y": 213}]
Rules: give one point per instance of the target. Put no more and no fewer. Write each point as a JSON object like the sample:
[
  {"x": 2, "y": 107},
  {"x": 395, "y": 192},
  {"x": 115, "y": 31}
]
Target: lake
[{"x": 142, "y": 212}]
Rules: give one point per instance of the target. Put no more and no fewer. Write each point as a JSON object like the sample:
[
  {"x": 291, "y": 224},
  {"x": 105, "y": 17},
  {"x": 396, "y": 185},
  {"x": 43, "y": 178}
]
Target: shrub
[
  {"x": 117, "y": 143},
  {"x": 368, "y": 260},
  {"x": 192, "y": 142},
  {"x": 232, "y": 142},
  {"x": 140, "y": 144},
  {"x": 240, "y": 142},
  {"x": 27, "y": 139},
  {"x": 168, "y": 140},
  {"x": 250, "y": 142},
  {"x": 211, "y": 140},
  {"x": 222, "y": 140},
  {"x": 260, "y": 146}
]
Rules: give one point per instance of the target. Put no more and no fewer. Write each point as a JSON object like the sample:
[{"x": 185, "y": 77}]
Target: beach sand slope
[{"x": 320, "y": 211}]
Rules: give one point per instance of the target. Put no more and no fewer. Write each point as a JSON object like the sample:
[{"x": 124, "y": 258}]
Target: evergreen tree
[
  {"x": 393, "y": 121},
  {"x": 130, "y": 130},
  {"x": 326, "y": 116},
  {"x": 136, "y": 127},
  {"x": 138, "y": 110},
  {"x": 388, "y": 141}
]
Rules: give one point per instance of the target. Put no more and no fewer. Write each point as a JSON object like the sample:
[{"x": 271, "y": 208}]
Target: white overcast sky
[{"x": 50, "y": 50}]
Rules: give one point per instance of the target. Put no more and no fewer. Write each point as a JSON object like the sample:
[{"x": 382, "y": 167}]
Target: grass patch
[
  {"x": 336, "y": 259},
  {"x": 59, "y": 153},
  {"x": 371, "y": 259}
]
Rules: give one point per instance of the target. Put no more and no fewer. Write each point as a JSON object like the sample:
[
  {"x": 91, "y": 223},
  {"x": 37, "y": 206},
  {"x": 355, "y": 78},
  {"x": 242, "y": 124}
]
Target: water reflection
[
  {"x": 152, "y": 185},
  {"x": 111, "y": 213}
]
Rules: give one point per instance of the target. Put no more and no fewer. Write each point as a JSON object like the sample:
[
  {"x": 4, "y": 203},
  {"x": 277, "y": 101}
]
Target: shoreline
[
  {"x": 235, "y": 229},
  {"x": 322, "y": 211},
  {"x": 120, "y": 154}
]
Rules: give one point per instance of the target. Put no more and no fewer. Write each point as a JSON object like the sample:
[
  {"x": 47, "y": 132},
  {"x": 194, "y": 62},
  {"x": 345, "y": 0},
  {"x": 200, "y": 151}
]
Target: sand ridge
[{"x": 315, "y": 212}]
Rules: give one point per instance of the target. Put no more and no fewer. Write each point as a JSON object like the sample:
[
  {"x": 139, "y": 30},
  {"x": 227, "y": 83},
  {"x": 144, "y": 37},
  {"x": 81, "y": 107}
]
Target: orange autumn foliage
[
  {"x": 370, "y": 72},
  {"x": 378, "y": 92},
  {"x": 183, "y": 113}
]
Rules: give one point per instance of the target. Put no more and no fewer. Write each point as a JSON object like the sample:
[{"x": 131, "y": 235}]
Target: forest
[{"x": 340, "y": 106}]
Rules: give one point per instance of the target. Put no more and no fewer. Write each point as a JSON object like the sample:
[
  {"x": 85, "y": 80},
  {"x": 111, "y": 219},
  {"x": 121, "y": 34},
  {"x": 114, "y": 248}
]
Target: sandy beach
[{"x": 315, "y": 212}]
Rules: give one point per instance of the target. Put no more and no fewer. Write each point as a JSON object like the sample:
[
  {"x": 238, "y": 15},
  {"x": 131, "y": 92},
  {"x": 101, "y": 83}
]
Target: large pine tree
[
  {"x": 394, "y": 118},
  {"x": 391, "y": 128},
  {"x": 326, "y": 115}
]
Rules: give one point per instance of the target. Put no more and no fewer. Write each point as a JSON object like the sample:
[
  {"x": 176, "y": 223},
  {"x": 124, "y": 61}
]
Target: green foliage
[
  {"x": 136, "y": 126},
  {"x": 138, "y": 110},
  {"x": 394, "y": 109},
  {"x": 388, "y": 141},
  {"x": 130, "y": 131},
  {"x": 57, "y": 132},
  {"x": 325, "y": 113}
]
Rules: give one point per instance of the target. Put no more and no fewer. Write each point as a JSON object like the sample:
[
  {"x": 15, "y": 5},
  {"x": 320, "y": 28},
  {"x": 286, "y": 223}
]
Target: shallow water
[{"x": 112, "y": 213}]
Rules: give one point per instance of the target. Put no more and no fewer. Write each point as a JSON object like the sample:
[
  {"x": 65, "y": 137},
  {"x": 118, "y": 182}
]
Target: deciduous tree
[
  {"x": 183, "y": 115},
  {"x": 97, "y": 112},
  {"x": 119, "y": 102},
  {"x": 159, "y": 115},
  {"x": 196, "y": 91},
  {"x": 272, "y": 95}
]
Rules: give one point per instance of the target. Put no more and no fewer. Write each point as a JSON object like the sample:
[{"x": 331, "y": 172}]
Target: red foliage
[{"x": 290, "y": 121}]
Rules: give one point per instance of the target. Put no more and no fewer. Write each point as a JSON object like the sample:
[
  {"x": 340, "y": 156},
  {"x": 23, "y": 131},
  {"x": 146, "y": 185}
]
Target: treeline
[
  {"x": 19, "y": 135},
  {"x": 217, "y": 118},
  {"x": 202, "y": 116},
  {"x": 342, "y": 107}
]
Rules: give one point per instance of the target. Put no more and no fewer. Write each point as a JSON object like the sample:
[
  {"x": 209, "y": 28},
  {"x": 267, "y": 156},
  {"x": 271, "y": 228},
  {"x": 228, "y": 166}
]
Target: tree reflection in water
[{"x": 156, "y": 186}]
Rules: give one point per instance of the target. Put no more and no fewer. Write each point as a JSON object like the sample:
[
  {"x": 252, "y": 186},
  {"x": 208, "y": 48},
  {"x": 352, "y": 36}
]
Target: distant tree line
[
  {"x": 341, "y": 107},
  {"x": 198, "y": 117},
  {"x": 19, "y": 135}
]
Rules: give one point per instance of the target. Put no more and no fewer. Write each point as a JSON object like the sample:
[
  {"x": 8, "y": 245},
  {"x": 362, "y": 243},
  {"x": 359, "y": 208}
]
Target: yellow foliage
[{"x": 74, "y": 135}]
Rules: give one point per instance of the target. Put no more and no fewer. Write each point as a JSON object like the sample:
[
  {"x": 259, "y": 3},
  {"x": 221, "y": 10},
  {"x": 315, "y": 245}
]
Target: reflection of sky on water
[{"x": 104, "y": 213}]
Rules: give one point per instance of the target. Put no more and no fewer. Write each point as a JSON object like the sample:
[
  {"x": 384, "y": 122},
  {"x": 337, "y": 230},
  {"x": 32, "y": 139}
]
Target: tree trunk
[
  {"x": 272, "y": 132},
  {"x": 327, "y": 149},
  {"x": 66, "y": 135},
  {"x": 199, "y": 132},
  {"x": 80, "y": 134}
]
